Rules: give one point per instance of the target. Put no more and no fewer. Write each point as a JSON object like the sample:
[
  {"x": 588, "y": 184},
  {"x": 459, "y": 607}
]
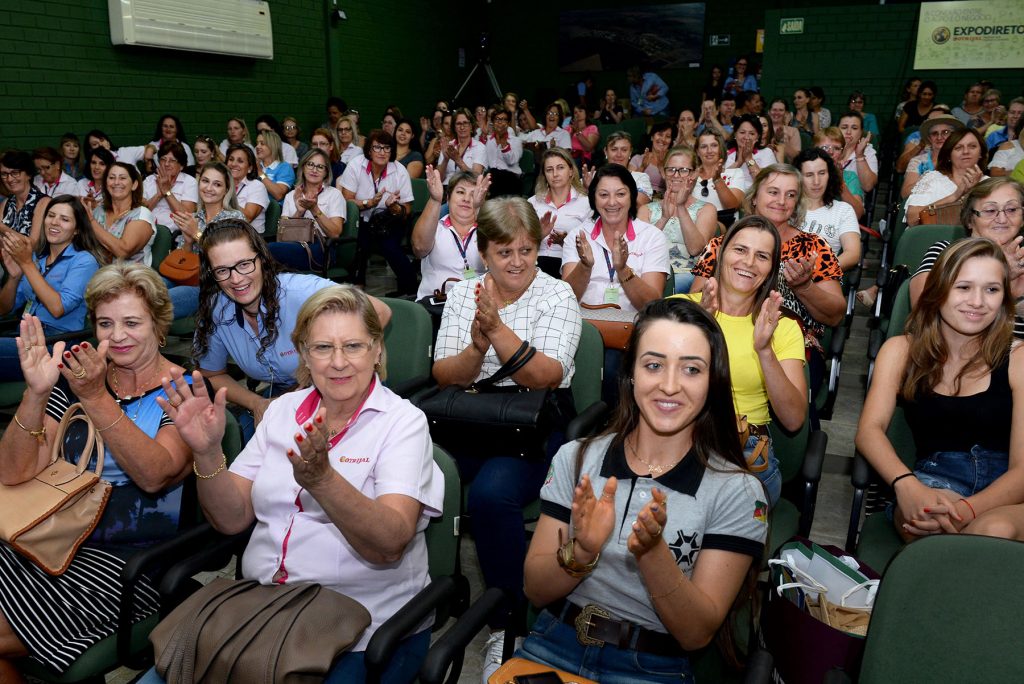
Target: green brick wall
[
  {"x": 869, "y": 48},
  {"x": 60, "y": 71}
]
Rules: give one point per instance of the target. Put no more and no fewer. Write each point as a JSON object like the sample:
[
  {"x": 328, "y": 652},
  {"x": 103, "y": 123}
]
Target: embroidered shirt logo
[{"x": 347, "y": 459}]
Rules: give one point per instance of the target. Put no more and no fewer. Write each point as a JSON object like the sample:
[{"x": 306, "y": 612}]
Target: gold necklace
[
  {"x": 510, "y": 301},
  {"x": 117, "y": 389},
  {"x": 655, "y": 470}
]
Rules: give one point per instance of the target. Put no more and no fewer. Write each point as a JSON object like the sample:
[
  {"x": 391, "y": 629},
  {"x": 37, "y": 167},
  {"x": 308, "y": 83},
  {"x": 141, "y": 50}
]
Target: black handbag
[{"x": 485, "y": 421}]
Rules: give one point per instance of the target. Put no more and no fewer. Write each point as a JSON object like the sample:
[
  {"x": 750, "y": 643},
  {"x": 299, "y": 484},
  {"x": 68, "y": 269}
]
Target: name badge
[
  {"x": 468, "y": 273},
  {"x": 611, "y": 294}
]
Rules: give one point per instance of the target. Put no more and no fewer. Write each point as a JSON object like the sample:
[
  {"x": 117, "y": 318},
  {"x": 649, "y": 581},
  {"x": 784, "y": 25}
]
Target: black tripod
[{"x": 484, "y": 61}]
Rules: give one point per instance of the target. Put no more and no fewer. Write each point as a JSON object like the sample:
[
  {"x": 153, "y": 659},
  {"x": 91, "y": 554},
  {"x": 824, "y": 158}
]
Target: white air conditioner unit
[{"x": 226, "y": 27}]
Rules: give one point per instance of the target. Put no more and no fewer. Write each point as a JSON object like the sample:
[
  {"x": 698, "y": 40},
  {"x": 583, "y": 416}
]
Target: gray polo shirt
[{"x": 708, "y": 508}]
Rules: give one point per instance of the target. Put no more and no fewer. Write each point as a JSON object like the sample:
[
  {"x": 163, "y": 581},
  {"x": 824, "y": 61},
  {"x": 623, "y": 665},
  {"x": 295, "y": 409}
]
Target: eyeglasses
[
  {"x": 678, "y": 170},
  {"x": 829, "y": 148},
  {"x": 991, "y": 213},
  {"x": 350, "y": 350},
  {"x": 290, "y": 127},
  {"x": 380, "y": 148},
  {"x": 315, "y": 167},
  {"x": 344, "y": 130},
  {"x": 856, "y": 100},
  {"x": 10, "y": 174},
  {"x": 243, "y": 267}
]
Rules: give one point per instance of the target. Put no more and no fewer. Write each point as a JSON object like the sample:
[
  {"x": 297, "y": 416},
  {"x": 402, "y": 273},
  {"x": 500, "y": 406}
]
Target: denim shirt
[{"x": 68, "y": 275}]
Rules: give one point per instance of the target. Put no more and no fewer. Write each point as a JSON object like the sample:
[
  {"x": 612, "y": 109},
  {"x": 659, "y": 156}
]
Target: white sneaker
[{"x": 492, "y": 654}]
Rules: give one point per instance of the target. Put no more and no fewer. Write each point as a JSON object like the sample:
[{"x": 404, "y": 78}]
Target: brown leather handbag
[
  {"x": 243, "y": 631},
  {"x": 181, "y": 266},
  {"x": 942, "y": 214},
  {"x": 306, "y": 232},
  {"x": 615, "y": 325},
  {"x": 48, "y": 517}
]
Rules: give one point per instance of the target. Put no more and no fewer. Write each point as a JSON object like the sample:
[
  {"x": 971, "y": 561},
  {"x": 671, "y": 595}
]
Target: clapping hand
[
  {"x": 40, "y": 368},
  {"x": 187, "y": 224},
  {"x": 434, "y": 185},
  {"x": 709, "y": 297},
  {"x": 649, "y": 525},
  {"x": 483, "y": 184},
  {"x": 199, "y": 421},
  {"x": 588, "y": 174},
  {"x": 620, "y": 253},
  {"x": 798, "y": 272},
  {"x": 311, "y": 464},
  {"x": 593, "y": 518},
  {"x": 487, "y": 307},
  {"x": 767, "y": 321},
  {"x": 862, "y": 144},
  {"x": 586, "y": 253},
  {"x": 85, "y": 369}
]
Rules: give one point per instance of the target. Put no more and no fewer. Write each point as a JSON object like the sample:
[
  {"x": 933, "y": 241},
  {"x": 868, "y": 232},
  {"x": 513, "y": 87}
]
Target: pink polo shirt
[{"x": 387, "y": 450}]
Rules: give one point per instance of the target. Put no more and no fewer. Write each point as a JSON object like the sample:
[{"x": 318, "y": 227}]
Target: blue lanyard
[
  {"x": 608, "y": 262},
  {"x": 463, "y": 248}
]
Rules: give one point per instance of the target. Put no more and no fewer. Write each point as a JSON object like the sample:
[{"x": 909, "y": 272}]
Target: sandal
[{"x": 867, "y": 297}]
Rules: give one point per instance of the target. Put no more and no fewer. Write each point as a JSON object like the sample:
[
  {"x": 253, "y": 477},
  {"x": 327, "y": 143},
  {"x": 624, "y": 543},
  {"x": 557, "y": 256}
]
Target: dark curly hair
[{"x": 218, "y": 233}]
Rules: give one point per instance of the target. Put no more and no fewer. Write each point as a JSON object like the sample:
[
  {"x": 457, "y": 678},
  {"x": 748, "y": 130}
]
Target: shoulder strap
[{"x": 514, "y": 364}]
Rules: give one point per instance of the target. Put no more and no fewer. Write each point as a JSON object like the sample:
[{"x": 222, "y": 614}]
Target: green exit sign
[{"x": 791, "y": 26}]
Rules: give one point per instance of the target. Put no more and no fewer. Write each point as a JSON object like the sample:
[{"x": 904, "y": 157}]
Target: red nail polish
[
  {"x": 67, "y": 355},
  {"x": 76, "y": 349},
  {"x": 60, "y": 365},
  {"x": 927, "y": 510},
  {"x": 298, "y": 438},
  {"x": 319, "y": 419},
  {"x": 309, "y": 427},
  {"x": 85, "y": 345},
  {"x": 291, "y": 453}
]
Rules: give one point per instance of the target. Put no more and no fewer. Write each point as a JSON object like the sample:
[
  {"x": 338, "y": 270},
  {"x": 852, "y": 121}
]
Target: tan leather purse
[
  {"x": 615, "y": 325},
  {"x": 181, "y": 266},
  {"x": 296, "y": 230},
  {"x": 942, "y": 214},
  {"x": 48, "y": 517},
  {"x": 243, "y": 631}
]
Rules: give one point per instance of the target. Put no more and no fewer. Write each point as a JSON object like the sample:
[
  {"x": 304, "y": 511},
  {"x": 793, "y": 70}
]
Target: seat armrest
[
  {"x": 447, "y": 652},
  {"x": 814, "y": 459},
  {"x": 587, "y": 422},
  {"x": 759, "y": 667},
  {"x": 385, "y": 640}
]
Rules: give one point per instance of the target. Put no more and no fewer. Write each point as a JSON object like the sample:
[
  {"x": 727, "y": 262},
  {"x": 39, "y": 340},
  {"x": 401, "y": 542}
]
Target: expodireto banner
[{"x": 975, "y": 34}]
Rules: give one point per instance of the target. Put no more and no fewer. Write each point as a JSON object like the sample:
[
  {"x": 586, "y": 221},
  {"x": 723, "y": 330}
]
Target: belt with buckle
[
  {"x": 758, "y": 430},
  {"x": 595, "y": 627}
]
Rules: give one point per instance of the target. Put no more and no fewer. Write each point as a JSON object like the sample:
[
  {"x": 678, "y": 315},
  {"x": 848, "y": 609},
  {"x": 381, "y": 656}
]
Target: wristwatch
[
  {"x": 630, "y": 276},
  {"x": 263, "y": 176},
  {"x": 750, "y": 163},
  {"x": 366, "y": 204},
  {"x": 167, "y": 194}
]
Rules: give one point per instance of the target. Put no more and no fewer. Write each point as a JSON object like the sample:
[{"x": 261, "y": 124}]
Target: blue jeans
[
  {"x": 350, "y": 667},
  {"x": 964, "y": 472},
  {"x": 682, "y": 282},
  {"x": 184, "y": 300},
  {"x": 500, "y": 487},
  {"x": 294, "y": 256},
  {"x": 771, "y": 478},
  {"x": 554, "y": 643}
]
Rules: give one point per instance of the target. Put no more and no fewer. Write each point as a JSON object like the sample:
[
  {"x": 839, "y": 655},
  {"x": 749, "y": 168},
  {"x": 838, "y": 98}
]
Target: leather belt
[
  {"x": 595, "y": 627},
  {"x": 758, "y": 430}
]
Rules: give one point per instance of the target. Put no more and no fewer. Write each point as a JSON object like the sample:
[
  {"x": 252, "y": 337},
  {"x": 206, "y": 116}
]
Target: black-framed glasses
[
  {"x": 380, "y": 148},
  {"x": 243, "y": 267},
  {"x": 316, "y": 167},
  {"x": 678, "y": 170}
]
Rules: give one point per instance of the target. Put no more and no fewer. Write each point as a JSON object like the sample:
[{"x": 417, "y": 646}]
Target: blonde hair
[
  {"x": 273, "y": 142},
  {"x": 541, "y": 187},
  {"x": 831, "y": 133},
  {"x": 783, "y": 170},
  {"x": 120, "y": 277},
  {"x": 339, "y": 299}
]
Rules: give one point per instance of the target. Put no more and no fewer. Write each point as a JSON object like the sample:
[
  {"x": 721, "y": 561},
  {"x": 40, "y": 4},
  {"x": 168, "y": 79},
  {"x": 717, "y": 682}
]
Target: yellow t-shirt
[{"x": 749, "y": 395}]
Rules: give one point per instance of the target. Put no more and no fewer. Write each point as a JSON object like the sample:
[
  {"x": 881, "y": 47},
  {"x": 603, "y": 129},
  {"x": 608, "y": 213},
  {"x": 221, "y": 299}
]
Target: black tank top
[{"x": 943, "y": 423}]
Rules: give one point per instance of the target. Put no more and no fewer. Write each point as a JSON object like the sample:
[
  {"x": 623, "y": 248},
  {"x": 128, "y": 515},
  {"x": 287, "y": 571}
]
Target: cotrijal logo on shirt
[{"x": 347, "y": 459}]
